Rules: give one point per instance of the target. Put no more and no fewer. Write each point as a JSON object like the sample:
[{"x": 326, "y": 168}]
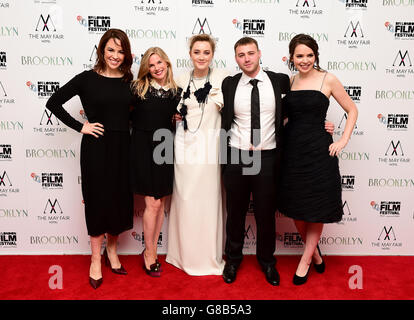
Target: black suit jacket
[{"x": 281, "y": 85}]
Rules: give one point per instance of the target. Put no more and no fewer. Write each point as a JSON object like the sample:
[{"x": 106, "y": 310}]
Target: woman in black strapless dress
[{"x": 310, "y": 190}]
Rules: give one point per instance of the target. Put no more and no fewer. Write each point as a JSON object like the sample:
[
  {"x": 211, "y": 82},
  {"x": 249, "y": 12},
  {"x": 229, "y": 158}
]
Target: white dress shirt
[{"x": 240, "y": 128}]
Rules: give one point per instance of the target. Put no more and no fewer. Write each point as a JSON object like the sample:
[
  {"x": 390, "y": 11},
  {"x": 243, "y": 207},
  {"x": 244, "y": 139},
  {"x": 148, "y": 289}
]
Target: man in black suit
[{"x": 252, "y": 122}]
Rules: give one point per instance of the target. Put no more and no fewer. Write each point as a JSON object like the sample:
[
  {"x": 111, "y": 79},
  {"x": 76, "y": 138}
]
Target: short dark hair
[{"x": 245, "y": 40}]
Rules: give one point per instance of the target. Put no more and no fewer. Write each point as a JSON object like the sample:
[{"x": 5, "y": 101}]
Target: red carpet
[{"x": 384, "y": 278}]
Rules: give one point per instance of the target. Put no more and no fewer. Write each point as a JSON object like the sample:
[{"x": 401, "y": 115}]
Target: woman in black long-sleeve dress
[
  {"x": 106, "y": 98},
  {"x": 152, "y": 168}
]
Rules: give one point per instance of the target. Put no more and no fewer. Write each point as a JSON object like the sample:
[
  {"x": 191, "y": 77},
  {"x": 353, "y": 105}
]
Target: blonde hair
[
  {"x": 141, "y": 85},
  {"x": 203, "y": 37}
]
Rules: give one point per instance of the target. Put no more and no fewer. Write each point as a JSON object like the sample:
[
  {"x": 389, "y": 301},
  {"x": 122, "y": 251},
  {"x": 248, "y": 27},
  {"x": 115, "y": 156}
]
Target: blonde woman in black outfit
[
  {"x": 156, "y": 100},
  {"x": 106, "y": 98}
]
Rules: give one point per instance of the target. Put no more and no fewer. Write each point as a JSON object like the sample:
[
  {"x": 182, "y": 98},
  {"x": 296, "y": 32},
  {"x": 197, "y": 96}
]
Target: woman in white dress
[{"x": 195, "y": 231}]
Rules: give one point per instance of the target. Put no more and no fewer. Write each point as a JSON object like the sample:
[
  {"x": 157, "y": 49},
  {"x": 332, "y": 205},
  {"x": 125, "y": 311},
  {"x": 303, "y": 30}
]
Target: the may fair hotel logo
[
  {"x": 347, "y": 216},
  {"x": 402, "y": 30},
  {"x": 250, "y": 27},
  {"x": 402, "y": 64},
  {"x": 49, "y": 124},
  {"x": 340, "y": 128},
  {"x": 47, "y": 28},
  {"x": 7, "y": 184},
  {"x": 387, "y": 239},
  {"x": 354, "y": 36},
  {"x": 53, "y": 212},
  {"x": 305, "y": 8},
  {"x": 95, "y": 24},
  {"x": 394, "y": 154},
  {"x": 152, "y": 7},
  {"x": 5, "y": 98}
]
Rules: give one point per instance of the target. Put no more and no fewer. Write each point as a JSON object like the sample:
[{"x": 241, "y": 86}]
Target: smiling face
[
  {"x": 303, "y": 58},
  {"x": 201, "y": 54},
  {"x": 248, "y": 59},
  {"x": 113, "y": 54},
  {"x": 158, "y": 68}
]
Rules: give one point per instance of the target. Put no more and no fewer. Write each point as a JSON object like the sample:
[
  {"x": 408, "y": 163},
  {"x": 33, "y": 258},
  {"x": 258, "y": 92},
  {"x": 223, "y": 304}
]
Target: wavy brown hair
[
  {"x": 125, "y": 67},
  {"x": 141, "y": 85},
  {"x": 308, "y": 41}
]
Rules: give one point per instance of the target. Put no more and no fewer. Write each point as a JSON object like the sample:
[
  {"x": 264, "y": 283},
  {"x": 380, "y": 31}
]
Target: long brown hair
[
  {"x": 141, "y": 85},
  {"x": 125, "y": 67},
  {"x": 308, "y": 41}
]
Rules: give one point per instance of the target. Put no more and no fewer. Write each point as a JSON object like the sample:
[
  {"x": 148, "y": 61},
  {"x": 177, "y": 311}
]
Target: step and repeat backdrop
[{"x": 368, "y": 45}]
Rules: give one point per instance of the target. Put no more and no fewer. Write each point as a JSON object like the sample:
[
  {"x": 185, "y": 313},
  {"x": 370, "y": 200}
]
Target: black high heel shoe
[
  {"x": 297, "y": 280},
  {"x": 320, "y": 268},
  {"x": 154, "y": 270},
  {"x": 95, "y": 283},
  {"x": 120, "y": 270}
]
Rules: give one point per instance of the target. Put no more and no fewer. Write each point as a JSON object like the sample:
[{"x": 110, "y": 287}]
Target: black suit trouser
[{"x": 238, "y": 189}]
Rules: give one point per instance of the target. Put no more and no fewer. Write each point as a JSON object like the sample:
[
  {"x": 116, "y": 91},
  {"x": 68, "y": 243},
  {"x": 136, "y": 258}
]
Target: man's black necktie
[{"x": 255, "y": 113}]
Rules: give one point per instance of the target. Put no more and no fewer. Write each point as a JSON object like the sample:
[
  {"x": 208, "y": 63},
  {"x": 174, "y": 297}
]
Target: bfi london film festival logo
[
  {"x": 8, "y": 240},
  {"x": 348, "y": 182},
  {"x": 6, "y": 185},
  {"x": 402, "y": 30},
  {"x": 354, "y": 36},
  {"x": 347, "y": 216},
  {"x": 355, "y": 4},
  {"x": 254, "y": 28},
  {"x": 394, "y": 156},
  {"x": 6, "y": 152},
  {"x": 49, "y": 125},
  {"x": 3, "y": 60},
  {"x": 387, "y": 208},
  {"x": 140, "y": 238},
  {"x": 49, "y": 181},
  {"x": 46, "y": 29},
  {"x": 402, "y": 65},
  {"x": 5, "y": 99},
  {"x": 152, "y": 7},
  {"x": 305, "y": 9},
  {"x": 43, "y": 89},
  {"x": 394, "y": 121},
  {"x": 341, "y": 127},
  {"x": 53, "y": 213},
  {"x": 387, "y": 239},
  {"x": 290, "y": 239},
  {"x": 202, "y": 3},
  {"x": 95, "y": 24}
]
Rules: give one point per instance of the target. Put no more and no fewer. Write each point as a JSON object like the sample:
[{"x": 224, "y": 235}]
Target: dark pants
[{"x": 238, "y": 188}]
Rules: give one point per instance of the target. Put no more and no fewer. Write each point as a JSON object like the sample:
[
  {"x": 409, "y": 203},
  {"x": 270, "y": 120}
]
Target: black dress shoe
[
  {"x": 320, "y": 268},
  {"x": 298, "y": 280},
  {"x": 272, "y": 276},
  {"x": 229, "y": 273}
]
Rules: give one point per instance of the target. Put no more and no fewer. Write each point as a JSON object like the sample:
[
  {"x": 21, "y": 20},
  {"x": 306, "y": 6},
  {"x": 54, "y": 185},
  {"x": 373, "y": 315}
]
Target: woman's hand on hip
[{"x": 93, "y": 129}]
